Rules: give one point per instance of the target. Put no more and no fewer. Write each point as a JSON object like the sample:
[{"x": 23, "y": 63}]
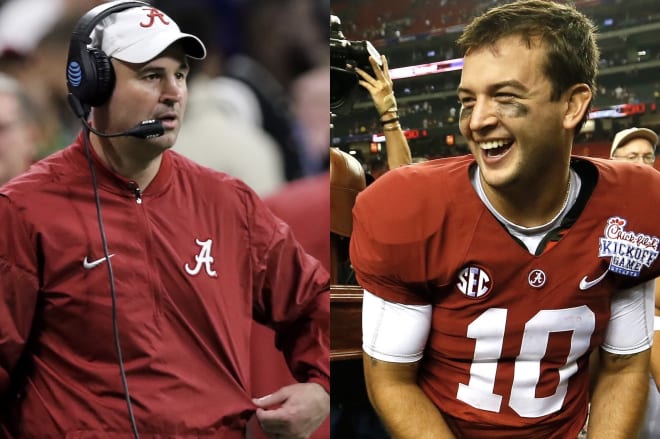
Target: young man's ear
[{"x": 579, "y": 98}]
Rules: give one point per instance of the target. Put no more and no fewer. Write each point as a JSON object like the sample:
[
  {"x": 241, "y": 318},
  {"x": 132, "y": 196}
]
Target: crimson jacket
[{"x": 196, "y": 257}]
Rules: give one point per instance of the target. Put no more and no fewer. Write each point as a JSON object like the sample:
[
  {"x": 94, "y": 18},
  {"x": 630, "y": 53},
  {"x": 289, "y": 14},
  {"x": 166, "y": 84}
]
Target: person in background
[
  {"x": 310, "y": 100},
  {"x": 33, "y": 51},
  {"x": 130, "y": 276},
  {"x": 221, "y": 140},
  {"x": 214, "y": 134},
  {"x": 18, "y": 130},
  {"x": 634, "y": 145},
  {"x": 381, "y": 89},
  {"x": 637, "y": 145},
  {"x": 489, "y": 278},
  {"x": 280, "y": 43},
  {"x": 42, "y": 77}
]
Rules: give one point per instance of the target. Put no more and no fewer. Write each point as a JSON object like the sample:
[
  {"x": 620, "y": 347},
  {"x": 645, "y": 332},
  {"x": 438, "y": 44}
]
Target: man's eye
[{"x": 465, "y": 102}]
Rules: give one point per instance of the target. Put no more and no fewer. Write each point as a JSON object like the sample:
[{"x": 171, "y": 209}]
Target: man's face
[
  {"x": 512, "y": 127},
  {"x": 17, "y": 139},
  {"x": 636, "y": 150},
  {"x": 153, "y": 90}
]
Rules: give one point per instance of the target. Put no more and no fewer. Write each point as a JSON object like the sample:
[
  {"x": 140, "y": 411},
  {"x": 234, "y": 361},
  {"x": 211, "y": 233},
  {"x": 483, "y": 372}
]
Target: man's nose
[
  {"x": 482, "y": 115},
  {"x": 172, "y": 90}
]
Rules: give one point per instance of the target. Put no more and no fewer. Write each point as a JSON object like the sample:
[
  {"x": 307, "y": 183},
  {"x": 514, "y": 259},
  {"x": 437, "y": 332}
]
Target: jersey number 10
[{"x": 488, "y": 331}]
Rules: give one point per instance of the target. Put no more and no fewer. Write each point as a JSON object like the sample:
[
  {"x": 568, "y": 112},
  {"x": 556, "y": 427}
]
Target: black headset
[{"x": 90, "y": 77}]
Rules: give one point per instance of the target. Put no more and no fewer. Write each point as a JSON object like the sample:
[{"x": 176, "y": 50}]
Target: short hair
[{"x": 569, "y": 35}]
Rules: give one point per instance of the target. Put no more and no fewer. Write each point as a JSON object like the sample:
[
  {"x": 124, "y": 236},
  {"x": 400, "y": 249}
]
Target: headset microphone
[{"x": 146, "y": 129}]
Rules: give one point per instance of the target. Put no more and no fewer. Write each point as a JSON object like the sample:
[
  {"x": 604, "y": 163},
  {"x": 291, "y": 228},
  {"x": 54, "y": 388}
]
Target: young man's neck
[{"x": 526, "y": 207}]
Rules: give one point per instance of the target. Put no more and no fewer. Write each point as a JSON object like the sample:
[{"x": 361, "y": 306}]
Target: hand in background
[{"x": 381, "y": 87}]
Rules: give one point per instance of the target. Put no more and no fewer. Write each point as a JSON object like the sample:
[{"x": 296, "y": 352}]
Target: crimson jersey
[
  {"x": 511, "y": 332},
  {"x": 196, "y": 257}
]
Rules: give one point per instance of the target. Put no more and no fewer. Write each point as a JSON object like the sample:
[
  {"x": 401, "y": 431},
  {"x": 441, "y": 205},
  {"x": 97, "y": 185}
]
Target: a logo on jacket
[
  {"x": 203, "y": 259},
  {"x": 629, "y": 251},
  {"x": 474, "y": 282}
]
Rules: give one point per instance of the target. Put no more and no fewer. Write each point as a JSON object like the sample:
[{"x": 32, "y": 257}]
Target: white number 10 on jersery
[{"x": 488, "y": 331}]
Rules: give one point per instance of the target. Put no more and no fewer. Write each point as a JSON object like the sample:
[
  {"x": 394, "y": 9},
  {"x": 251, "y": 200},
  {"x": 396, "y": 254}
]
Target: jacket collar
[{"x": 111, "y": 181}]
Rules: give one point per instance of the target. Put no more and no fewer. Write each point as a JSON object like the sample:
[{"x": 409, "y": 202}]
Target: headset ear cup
[
  {"x": 89, "y": 73},
  {"x": 105, "y": 78}
]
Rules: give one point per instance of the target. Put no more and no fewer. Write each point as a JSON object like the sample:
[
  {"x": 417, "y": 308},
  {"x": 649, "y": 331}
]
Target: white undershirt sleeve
[
  {"x": 630, "y": 329},
  {"x": 394, "y": 332}
]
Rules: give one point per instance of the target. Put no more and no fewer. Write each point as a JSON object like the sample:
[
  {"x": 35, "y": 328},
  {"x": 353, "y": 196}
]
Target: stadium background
[{"x": 418, "y": 36}]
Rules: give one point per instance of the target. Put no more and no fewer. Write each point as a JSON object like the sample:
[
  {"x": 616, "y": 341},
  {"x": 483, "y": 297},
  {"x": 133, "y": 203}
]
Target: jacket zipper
[{"x": 138, "y": 195}]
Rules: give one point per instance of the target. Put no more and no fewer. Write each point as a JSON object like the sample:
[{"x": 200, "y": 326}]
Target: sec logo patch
[{"x": 474, "y": 282}]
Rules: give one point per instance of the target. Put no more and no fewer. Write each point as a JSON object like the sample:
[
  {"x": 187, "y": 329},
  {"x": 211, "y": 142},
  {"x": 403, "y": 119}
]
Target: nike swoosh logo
[
  {"x": 89, "y": 265},
  {"x": 585, "y": 284}
]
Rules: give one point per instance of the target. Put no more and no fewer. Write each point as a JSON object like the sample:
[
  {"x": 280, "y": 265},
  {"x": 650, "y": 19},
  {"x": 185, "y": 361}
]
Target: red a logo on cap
[{"x": 152, "y": 15}]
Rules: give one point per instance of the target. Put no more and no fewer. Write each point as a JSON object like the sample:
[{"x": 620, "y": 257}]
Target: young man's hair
[{"x": 567, "y": 33}]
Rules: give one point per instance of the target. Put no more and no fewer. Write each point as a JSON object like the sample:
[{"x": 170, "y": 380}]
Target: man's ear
[{"x": 579, "y": 98}]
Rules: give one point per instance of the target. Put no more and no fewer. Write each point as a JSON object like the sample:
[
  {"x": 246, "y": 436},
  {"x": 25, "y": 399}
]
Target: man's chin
[{"x": 167, "y": 140}]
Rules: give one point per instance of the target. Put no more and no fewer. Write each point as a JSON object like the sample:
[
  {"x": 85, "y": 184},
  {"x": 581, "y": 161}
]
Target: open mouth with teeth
[{"x": 495, "y": 148}]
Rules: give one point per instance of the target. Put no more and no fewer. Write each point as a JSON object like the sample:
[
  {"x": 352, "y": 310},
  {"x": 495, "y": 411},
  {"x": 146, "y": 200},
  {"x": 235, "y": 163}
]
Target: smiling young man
[
  {"x": 130, "y": 276},
  {"x": 484, "y": 299}
]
